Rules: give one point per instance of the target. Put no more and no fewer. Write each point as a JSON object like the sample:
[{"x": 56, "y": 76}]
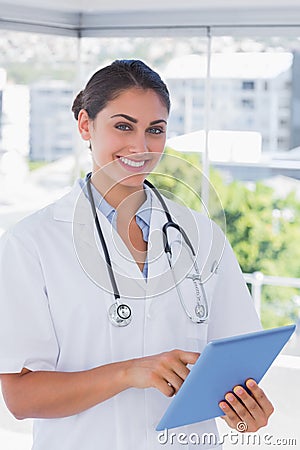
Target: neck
[{"x": 125, "y": 199}]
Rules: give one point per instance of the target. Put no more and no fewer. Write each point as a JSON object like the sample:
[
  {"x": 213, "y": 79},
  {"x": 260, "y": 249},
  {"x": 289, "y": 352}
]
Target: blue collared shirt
[{"x": 143, "y": 215}]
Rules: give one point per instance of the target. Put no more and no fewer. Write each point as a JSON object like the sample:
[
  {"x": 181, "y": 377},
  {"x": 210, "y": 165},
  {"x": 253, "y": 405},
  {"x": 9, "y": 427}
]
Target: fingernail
[
  {"x": 250, "y": 383},
  {"x": 223, "y": 405},
  {"x": 238, "y": 391},
  {"x": 229, "y": 397}
]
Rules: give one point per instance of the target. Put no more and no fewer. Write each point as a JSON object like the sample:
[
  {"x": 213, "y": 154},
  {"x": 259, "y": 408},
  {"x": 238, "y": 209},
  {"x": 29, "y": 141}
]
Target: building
[
  {"x": 249, "y": 91},
  {"x": 2, "y": 84},
  {"x": 51, "y": 135},
  {"x": 295, "y": 104}
]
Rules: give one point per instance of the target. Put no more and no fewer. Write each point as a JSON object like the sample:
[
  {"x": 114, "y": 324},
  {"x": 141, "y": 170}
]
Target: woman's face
[{"x": 127, "y": 136}]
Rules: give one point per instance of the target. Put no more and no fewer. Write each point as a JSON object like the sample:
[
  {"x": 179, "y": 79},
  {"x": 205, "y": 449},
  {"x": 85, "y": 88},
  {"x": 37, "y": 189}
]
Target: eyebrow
[{"x": 132, "y": 119}]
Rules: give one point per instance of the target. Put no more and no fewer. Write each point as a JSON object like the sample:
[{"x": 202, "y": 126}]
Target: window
[
  {"x": 248, "y": 85},
  {"x": 248, "y": 103}
]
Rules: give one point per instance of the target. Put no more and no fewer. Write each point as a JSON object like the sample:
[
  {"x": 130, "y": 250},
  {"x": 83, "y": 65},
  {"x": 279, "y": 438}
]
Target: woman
[{"x": 97, "y": 370}]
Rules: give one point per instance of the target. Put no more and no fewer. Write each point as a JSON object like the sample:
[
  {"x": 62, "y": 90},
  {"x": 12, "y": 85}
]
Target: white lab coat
[{"x": 54, "y": 298}]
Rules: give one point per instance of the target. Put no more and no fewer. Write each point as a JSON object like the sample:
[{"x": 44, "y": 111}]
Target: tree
[{"x": 262, "y": 229}]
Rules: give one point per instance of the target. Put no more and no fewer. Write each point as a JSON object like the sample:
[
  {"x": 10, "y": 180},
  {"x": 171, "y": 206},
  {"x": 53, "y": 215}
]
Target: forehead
[{"x": 139, "y": 101}]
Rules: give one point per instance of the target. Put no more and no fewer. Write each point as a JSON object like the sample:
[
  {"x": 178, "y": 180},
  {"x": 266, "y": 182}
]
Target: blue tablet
[{"x": 223, "y": 364}]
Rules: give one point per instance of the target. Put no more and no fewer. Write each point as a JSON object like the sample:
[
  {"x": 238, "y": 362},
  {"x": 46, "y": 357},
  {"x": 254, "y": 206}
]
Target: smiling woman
[
  {"x": 124, "y": 136},
  {"x": 124, "y": 143},
  {"x": 100, "y": 306}
]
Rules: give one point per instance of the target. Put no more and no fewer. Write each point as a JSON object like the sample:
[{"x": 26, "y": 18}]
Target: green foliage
[
  {"x": 262, "y": 229},
  {"x": 33, "y": 165},
  {"x": 179, "y": 178},
  {"x": 279, "y": 306}
]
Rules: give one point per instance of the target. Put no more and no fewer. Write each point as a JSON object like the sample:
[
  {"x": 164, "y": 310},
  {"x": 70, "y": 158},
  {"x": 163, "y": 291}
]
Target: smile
[{"x": 131, "y": 163}]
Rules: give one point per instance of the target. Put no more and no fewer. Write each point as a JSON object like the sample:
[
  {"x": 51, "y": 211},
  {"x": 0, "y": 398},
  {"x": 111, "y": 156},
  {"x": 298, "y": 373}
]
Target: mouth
[{"x": 132, "y": 163}]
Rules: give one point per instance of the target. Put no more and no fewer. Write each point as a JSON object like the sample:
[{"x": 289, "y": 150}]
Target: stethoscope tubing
[
  {"x": 102, "y": 239},
  {"x": 170, "y": 223},
  {"x": 120, "y": 314}
]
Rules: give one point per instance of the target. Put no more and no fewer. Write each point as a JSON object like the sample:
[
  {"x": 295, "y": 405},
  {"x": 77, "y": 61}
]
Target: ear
[{"x": 84, "y": 123}]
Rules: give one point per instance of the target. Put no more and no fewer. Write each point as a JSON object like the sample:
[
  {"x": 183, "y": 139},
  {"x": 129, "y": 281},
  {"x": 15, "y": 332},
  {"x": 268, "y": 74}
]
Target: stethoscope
[{"x": 119, "y": 313}]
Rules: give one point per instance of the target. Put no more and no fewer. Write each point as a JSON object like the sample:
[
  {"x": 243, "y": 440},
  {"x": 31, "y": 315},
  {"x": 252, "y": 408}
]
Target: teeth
[{"x": 131, "y": 163}]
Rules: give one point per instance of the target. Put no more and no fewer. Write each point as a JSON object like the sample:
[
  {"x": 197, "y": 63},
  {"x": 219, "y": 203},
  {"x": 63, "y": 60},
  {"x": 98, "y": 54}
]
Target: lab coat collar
[
  {"x": 74, "y": 207},
  {"x": 89, "y": 249},
  {"x": 65, "y": 207}
]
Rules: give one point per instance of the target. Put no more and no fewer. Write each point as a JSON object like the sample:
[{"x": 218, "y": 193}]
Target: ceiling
[
  {"x": 140, "y": 17},
  {"x": 136, "y": 5}
]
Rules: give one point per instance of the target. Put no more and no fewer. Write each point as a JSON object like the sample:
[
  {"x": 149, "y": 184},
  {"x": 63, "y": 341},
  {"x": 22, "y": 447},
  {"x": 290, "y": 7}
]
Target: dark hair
[{"x": 107, "y": 83}]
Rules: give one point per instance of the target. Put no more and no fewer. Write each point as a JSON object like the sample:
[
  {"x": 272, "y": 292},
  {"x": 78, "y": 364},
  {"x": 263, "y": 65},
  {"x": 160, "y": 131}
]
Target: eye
[
  {"x": 123, "y": 127},
  {"x": 155, "y": 130}
]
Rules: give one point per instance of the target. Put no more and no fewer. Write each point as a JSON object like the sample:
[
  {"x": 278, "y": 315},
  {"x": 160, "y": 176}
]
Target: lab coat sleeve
[
  {"x": 232, "y": 309},
  {"x": 27, "y": 336}
]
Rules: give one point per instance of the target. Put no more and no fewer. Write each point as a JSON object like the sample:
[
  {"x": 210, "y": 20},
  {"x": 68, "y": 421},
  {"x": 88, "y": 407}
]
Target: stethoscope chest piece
[
  {"x": 119, "y": 315},
  {"x": 200, "y": 312}
]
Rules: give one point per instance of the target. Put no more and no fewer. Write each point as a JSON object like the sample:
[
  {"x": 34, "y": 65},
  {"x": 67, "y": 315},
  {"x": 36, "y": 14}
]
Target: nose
[{"x": 138, "y": 144}]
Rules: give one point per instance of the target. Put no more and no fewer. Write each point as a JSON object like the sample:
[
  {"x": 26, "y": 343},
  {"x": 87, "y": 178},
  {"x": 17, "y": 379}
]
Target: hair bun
[{"x": 77, "y": 104}]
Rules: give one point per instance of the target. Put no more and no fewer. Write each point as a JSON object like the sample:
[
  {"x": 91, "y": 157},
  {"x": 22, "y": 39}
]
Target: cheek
[
  {"x": 104, "y": 146},
  {"x": 157, "y": 145},
  {"x": 157, "y": 148}
]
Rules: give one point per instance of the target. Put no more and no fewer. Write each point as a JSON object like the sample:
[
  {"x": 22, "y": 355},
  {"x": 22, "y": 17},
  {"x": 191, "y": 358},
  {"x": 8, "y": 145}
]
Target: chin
[
  {"x": 133, "y": 181},
  {"x": 109, "y": 176}
]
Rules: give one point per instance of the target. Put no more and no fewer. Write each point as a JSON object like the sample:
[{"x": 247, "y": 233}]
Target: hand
[
  {"x": 244, "y": 411},
  {"x": 165, "y": 371}
]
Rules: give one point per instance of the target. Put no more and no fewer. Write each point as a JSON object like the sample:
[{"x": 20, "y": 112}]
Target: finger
[
  {"x": 180, "y": 360},
  {"x": 250, "y": 403},
  {"x": 176, "y": 374},
  {"x": 188, "y": 357},
  {"x": 174, "y": 380},
  {"x": 231, "y": 417},
  {"x": 164, "y": 386},
  {"x": 167, "y": 389},
  {"x": 169, "y": 359},
  {"x": 181, "y": 370},
  {"x": 260, "y": 397},
  {"x": 240, "y": 410},
  {"x": 251, "y": 417}
]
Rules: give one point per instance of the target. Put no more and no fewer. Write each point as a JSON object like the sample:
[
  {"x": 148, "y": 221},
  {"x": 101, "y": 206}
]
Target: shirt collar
[{"x": 144, "y": 211}]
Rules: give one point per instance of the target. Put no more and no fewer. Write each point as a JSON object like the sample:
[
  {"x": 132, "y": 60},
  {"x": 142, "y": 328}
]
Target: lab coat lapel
[
  {"x": 75, "y": 208},
  {"x": 129, "y": 278},
  {"x": 89, "y": 250}
]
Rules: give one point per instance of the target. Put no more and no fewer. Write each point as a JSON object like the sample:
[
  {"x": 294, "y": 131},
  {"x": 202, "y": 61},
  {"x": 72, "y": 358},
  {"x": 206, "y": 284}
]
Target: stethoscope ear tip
[{"x": 214, "y": 267}]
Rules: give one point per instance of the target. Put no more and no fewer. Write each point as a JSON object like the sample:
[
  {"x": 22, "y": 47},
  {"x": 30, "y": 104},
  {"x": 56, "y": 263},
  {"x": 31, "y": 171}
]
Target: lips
[{"x": 132, "y": 163}]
